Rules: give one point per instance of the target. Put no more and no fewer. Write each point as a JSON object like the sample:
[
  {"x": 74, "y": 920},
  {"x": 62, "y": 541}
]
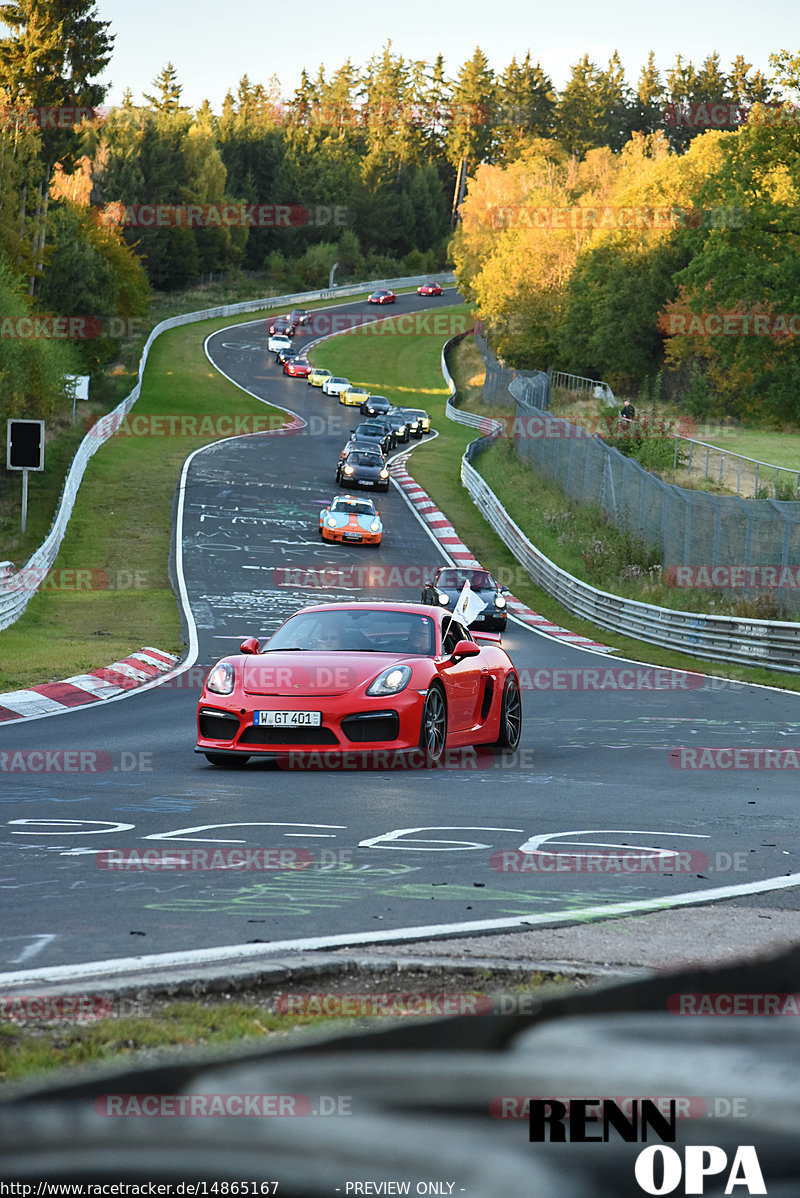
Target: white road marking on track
[{"x": 241, "y": 952}]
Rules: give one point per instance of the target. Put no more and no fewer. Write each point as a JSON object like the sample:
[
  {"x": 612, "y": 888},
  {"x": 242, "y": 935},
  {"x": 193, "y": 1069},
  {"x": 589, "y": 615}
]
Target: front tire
[
  {"x": 510, "y": 716},
  {"x": 433, "y": 726}
]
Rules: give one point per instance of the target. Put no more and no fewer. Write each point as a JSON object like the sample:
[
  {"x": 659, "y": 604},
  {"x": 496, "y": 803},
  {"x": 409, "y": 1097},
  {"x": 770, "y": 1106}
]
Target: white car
[
  {"x": 278, "y": 341},
  {"x": 335, "y": 385}
]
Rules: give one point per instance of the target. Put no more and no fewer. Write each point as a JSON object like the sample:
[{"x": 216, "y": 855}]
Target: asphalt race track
[{"x": 406, "y": 852}]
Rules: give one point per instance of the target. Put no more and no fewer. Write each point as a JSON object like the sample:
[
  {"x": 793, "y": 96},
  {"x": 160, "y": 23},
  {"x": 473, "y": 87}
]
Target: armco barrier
[
  {"x": 15, "y": 598},
  {"x": 772, "y": 643}
]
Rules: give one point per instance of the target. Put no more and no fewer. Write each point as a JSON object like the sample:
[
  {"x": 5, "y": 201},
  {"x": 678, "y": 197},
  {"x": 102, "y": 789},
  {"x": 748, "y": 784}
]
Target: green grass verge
[
  {"x": 122, "y": 521},
  {"x": 412, "y": 365},
  {"x": 27, "y": 1050}
]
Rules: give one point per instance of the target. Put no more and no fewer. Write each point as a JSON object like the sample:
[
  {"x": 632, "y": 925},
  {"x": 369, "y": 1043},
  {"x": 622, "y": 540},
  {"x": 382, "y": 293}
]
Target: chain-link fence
[
  {"x": 746, "y": 476},
  {"x": 693, "y": 528},
  {"x": 531, "y": 385}
]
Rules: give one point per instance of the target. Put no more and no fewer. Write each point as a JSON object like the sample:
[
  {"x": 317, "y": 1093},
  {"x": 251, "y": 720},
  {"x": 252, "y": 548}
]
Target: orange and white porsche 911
[{"x": 352, "y": 519}]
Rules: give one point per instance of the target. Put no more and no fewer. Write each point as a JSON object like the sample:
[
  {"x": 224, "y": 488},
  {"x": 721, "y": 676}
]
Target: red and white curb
[
  {"x": 49, "y": 697},
  {"x": 449, "y": 539}
]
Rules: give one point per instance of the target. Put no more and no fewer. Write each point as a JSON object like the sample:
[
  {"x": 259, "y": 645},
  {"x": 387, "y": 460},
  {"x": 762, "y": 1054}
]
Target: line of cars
[{"x": 398, "y": 677}]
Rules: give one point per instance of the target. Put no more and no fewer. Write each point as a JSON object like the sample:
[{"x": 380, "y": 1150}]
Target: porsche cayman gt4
[{"x": 383, "y": 677}]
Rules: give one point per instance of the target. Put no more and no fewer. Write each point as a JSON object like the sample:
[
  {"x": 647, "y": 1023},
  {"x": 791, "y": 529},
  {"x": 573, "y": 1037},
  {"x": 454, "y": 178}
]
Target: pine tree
[{"x": 55, "y": 50}]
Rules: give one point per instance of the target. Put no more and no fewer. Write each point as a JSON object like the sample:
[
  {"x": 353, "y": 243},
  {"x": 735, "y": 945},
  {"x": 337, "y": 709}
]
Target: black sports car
[
  {"x": 448, "y": 583},
  {"x": 363, "y": 467},
  {"x": 398, "y": 423},
  {"x": 375, "y": 433},
  {"x": 376, "y": 405}
]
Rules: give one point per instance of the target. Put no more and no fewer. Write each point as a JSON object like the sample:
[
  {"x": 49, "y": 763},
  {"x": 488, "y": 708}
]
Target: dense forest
[{"x": 373, "y": 162}]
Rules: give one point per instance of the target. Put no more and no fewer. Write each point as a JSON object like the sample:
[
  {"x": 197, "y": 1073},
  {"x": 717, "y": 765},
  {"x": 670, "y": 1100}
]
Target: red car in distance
[
  {"x": 429, "y": 289},
  {"x": 382, "y": 297},
  {"x": 298, "y": 368},
  {"x": 379, "y": 678}
]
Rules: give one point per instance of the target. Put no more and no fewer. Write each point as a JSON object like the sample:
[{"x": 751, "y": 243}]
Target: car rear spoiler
[{"x": 486, "y": 636}]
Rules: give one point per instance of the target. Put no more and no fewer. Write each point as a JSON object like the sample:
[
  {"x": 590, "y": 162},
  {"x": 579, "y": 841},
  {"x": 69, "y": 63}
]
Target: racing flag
[{"x": 469, "y": 605}]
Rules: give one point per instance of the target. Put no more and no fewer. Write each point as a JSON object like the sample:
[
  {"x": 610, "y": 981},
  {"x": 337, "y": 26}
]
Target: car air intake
[
  {"x": 372, "y": 726},
  {"x": 287, "y": 736},
  {"x": 216, "y": 725}
]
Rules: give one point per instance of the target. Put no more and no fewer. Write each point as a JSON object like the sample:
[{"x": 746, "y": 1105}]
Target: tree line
[
  {"x": 380, "y": 146},
  {"x": 661, "y": 272}
]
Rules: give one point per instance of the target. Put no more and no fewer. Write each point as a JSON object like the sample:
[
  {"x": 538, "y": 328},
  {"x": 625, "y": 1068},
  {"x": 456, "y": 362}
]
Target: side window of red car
[{"x": 454, "y": 634}]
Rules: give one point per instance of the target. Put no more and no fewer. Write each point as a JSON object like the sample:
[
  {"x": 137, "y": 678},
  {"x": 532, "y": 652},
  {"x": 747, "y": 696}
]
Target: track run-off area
[{"x": 607, "y": 789}]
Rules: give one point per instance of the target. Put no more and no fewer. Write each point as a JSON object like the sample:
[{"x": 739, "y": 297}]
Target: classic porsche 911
[
  {"x": 351, "y": 519},
  {"x": 377, "y": 676},
  {"x": 362, "y": 466},
  {"x": 447, "y": 584}
]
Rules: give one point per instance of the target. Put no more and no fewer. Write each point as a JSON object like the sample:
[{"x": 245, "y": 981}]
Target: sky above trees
[{"x": 211, "y": 45}]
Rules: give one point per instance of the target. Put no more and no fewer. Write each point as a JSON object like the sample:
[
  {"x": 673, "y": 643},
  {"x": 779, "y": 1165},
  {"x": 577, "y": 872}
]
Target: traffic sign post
[{"x": 25, "y": 451}]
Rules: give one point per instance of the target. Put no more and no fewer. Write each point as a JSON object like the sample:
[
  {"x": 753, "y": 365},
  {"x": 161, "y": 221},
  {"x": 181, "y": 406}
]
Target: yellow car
[
  {"x": 353, "y": 396},
  {"x": 318, "y": 376}
]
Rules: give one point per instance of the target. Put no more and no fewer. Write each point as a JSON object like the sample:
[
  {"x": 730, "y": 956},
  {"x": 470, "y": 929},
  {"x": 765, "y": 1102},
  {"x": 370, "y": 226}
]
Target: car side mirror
[
  {"x": 250, "y": 645},
  {"x": 504, "y": 591},
  {"x": 465, "y": 649}
]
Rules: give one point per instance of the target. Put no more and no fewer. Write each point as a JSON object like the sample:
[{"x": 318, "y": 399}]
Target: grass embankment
[
  {"x": 121, "y": 525},
  {"x": 120, "y": 528},
  {"x": 147, "y": 1029},
  {"x": 27, "y": 1050},
  {"x": 399, "y": 367}
]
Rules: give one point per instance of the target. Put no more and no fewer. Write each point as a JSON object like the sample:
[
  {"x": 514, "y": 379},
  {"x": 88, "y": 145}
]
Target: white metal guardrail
[
  {"x": 17, "y": 589},
  {"x": 772, "y": 643}
]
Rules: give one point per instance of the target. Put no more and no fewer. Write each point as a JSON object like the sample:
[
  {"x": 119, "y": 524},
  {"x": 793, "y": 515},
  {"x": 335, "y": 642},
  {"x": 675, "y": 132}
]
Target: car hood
[{"x": 308, "y": 673}]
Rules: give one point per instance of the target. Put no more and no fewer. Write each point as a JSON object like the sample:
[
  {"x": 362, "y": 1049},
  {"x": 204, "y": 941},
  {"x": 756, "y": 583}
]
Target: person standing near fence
[{"x": 628, "y": 412}]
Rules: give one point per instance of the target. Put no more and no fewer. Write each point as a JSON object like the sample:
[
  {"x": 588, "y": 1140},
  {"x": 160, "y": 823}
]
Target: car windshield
[
  {"x": 362, "y": 507},
  {"x": 367, "y": 630},
  {"x": 478, "y": 579},
  {"x": 370, "y": 430},
  {"x": 365, "y": 459}
]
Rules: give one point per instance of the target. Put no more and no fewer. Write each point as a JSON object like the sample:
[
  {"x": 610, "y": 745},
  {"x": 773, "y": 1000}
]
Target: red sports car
[
  {"x": 382, "y": 677},
  {"x": 298, "y": 368},
  {"x": 382, "y": 297},
  {"x": 429, "y": 289}
]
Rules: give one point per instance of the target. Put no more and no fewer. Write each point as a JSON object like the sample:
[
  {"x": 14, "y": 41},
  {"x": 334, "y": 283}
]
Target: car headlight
[
  {"x": 391, "y": 681},
  {"x": 220, "y": 680},
  {"x": 331, "y": 523},
  {"x": 384, "y": 473},
  {"x": 401, "y": 430},
  {"x": 499, "y": 601},
  {"x": 375, "y": 526},
  {"x": 349, "y": 469},
  {"x": 444, "y": 598}
]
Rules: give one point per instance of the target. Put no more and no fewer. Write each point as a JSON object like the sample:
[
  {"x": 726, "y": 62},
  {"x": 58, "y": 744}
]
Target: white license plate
[
  {"x": 367, "y": 482},
  {"x": 288, "y": 719},
  {"x": 351, "y": 536}
]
